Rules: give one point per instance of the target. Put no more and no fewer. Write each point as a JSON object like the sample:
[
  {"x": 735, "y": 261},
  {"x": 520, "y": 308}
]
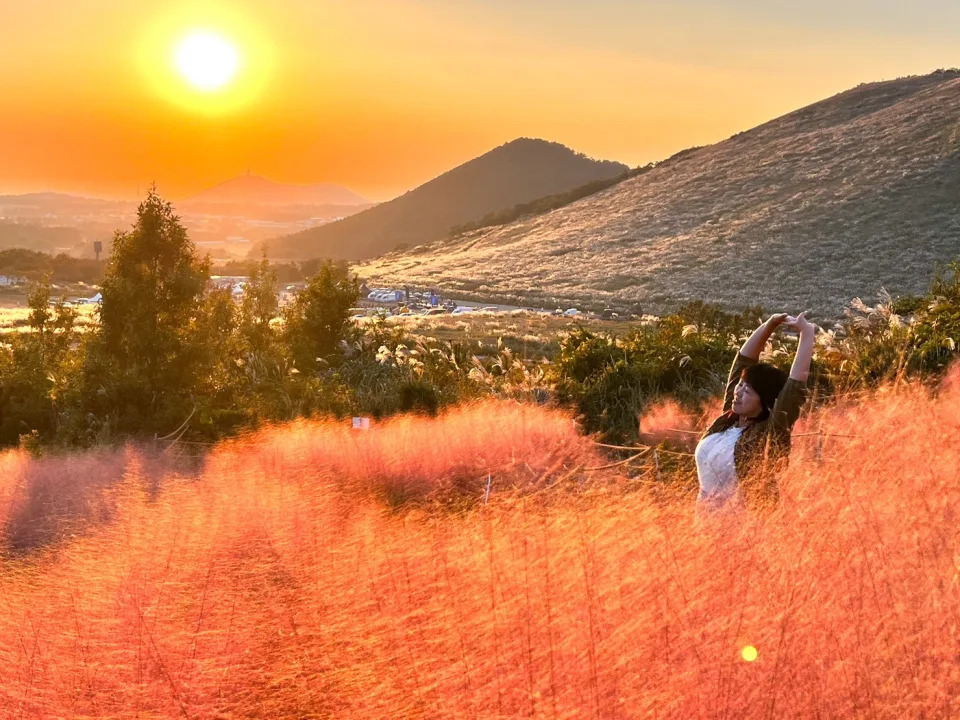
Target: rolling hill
[
  {"x": 832, "y": 201},
  {"x": 517, "y": 172}
]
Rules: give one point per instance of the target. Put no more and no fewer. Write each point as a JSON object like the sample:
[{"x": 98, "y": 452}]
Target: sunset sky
[{"x": 382, "y": 96}]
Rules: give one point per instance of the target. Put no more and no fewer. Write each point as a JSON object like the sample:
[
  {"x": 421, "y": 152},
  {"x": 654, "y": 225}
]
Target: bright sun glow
[{"x": 207, "y": 60}]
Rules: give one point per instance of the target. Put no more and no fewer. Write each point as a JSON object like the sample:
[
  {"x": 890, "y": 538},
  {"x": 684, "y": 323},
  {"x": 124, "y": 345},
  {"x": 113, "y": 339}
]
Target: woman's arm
[
  {"x": 786, "y": 410},
  {"x": 756, "y": 342},
  {"x": 800, "y": 370},
  {"x": 749, "y": 355}
]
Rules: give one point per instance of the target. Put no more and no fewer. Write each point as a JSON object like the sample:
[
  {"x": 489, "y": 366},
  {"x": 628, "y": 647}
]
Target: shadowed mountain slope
[{"x": 514, "y": 173}]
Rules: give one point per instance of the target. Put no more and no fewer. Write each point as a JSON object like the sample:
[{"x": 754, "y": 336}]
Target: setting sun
[
  {"x": 212, "y": 61},
  {"x": 207, "y": 60}
]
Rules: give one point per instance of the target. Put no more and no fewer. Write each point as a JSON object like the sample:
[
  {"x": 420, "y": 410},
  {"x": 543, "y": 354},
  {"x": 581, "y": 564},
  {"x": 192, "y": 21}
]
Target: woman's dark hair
[{"x": 767, "y": 381}]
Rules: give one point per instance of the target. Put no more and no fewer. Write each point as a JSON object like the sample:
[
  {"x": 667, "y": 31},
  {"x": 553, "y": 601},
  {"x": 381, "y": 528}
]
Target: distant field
[
  {"x": 539, "y": 332},
  {"x": 529, "y": 335},
  {"x": 15, "y": 319}
]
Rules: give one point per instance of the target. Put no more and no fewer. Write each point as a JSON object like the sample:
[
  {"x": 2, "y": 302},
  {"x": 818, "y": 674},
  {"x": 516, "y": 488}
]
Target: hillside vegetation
[
  {"x": 517, "y": 172},
  {"x": 34, "y": 266},
  {"x": 835, "y": 200}
]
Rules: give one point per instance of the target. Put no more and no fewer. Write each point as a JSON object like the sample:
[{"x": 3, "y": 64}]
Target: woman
[{"x": 737, "y": 457}]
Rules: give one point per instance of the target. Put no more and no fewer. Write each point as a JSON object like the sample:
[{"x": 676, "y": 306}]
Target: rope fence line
[
  {"x": 698, "y": 432},
  {"x": 621, "y": 462},
  {"x": 657, "y": 451}
]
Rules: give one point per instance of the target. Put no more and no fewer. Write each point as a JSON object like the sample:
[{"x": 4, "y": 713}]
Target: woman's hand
[
  {"x": 776, "y": 320},
  {"x": 800, "y": 323}
]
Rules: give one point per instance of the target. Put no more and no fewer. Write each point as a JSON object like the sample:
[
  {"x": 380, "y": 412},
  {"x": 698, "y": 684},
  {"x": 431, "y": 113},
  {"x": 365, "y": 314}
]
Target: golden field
[{"x": 314, "y": 571}]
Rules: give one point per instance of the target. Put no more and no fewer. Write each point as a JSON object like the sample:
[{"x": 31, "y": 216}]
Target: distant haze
[{"x": 255, "y": 190}]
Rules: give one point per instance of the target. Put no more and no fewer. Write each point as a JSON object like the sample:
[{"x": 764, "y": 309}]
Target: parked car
[{"x": 571, "y": 312}]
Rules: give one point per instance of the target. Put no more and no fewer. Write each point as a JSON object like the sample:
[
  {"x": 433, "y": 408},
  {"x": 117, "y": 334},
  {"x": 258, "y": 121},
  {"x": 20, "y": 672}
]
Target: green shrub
[
  {"x": 913, "y": 336},
  {"x": 419, "y": 396},
  {"x": 34, "y": 370},
  {"x": 609, "y": 379}
]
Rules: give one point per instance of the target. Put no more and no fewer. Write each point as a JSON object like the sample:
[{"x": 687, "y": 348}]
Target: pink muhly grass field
[{"x": 313, "y": 571}]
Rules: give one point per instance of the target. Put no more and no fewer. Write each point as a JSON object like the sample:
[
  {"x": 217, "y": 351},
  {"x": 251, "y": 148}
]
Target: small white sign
[{"x": 361, "y": 423}]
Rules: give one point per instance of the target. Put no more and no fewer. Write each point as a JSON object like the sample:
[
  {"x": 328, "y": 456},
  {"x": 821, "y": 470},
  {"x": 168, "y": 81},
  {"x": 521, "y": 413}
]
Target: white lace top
[{"x": 716, "y": 470}]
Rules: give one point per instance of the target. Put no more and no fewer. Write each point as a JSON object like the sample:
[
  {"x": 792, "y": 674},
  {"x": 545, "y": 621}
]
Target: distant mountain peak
[{"x": 510, "y": 175}]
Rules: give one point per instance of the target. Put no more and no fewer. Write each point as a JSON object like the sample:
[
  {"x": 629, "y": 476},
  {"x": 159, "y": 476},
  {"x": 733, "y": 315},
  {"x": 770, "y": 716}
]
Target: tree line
[{"x": 168, "y": 346}]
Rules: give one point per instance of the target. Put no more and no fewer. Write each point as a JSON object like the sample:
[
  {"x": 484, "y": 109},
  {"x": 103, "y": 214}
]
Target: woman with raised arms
[{"x": 738, "y": 455}]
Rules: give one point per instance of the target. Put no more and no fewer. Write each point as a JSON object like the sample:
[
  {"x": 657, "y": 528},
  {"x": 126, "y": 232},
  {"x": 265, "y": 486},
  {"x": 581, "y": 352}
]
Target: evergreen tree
[
  {"x": 319, "y": 317},
  {"x": 148, "y": 358},
  {"x": 259, "y": 307}
]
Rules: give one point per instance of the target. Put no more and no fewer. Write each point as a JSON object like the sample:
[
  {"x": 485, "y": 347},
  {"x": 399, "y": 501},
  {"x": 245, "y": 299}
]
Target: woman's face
[{"x": 746, "y": 402}]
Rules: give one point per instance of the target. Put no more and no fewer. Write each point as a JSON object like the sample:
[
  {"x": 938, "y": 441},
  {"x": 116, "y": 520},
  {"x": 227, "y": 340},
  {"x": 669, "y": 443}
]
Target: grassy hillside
[
  {"x": 515, "y": 173},
  {"x": 313, "y": 571},
  {"x": 832, "y": 201}
]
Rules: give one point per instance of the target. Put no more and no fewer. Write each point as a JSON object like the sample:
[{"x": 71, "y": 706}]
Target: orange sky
[{"x": 382, "y": 96}]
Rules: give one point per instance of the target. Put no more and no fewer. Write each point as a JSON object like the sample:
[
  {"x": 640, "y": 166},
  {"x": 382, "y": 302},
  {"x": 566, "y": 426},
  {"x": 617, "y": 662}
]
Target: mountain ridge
[
  {"x": 811, "y": 208},
  {"x": 516, "y": 172}
]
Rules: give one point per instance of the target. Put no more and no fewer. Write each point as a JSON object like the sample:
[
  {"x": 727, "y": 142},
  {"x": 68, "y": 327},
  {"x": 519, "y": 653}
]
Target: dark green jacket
[{"x": 764, "y": 445}]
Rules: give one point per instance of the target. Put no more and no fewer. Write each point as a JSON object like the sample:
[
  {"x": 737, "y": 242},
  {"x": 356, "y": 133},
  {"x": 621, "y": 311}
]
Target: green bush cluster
[
  {"x": 36, "y": 370},
  {"x": 61, "y": 268},
  {"x": 609, "y": 379}
]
